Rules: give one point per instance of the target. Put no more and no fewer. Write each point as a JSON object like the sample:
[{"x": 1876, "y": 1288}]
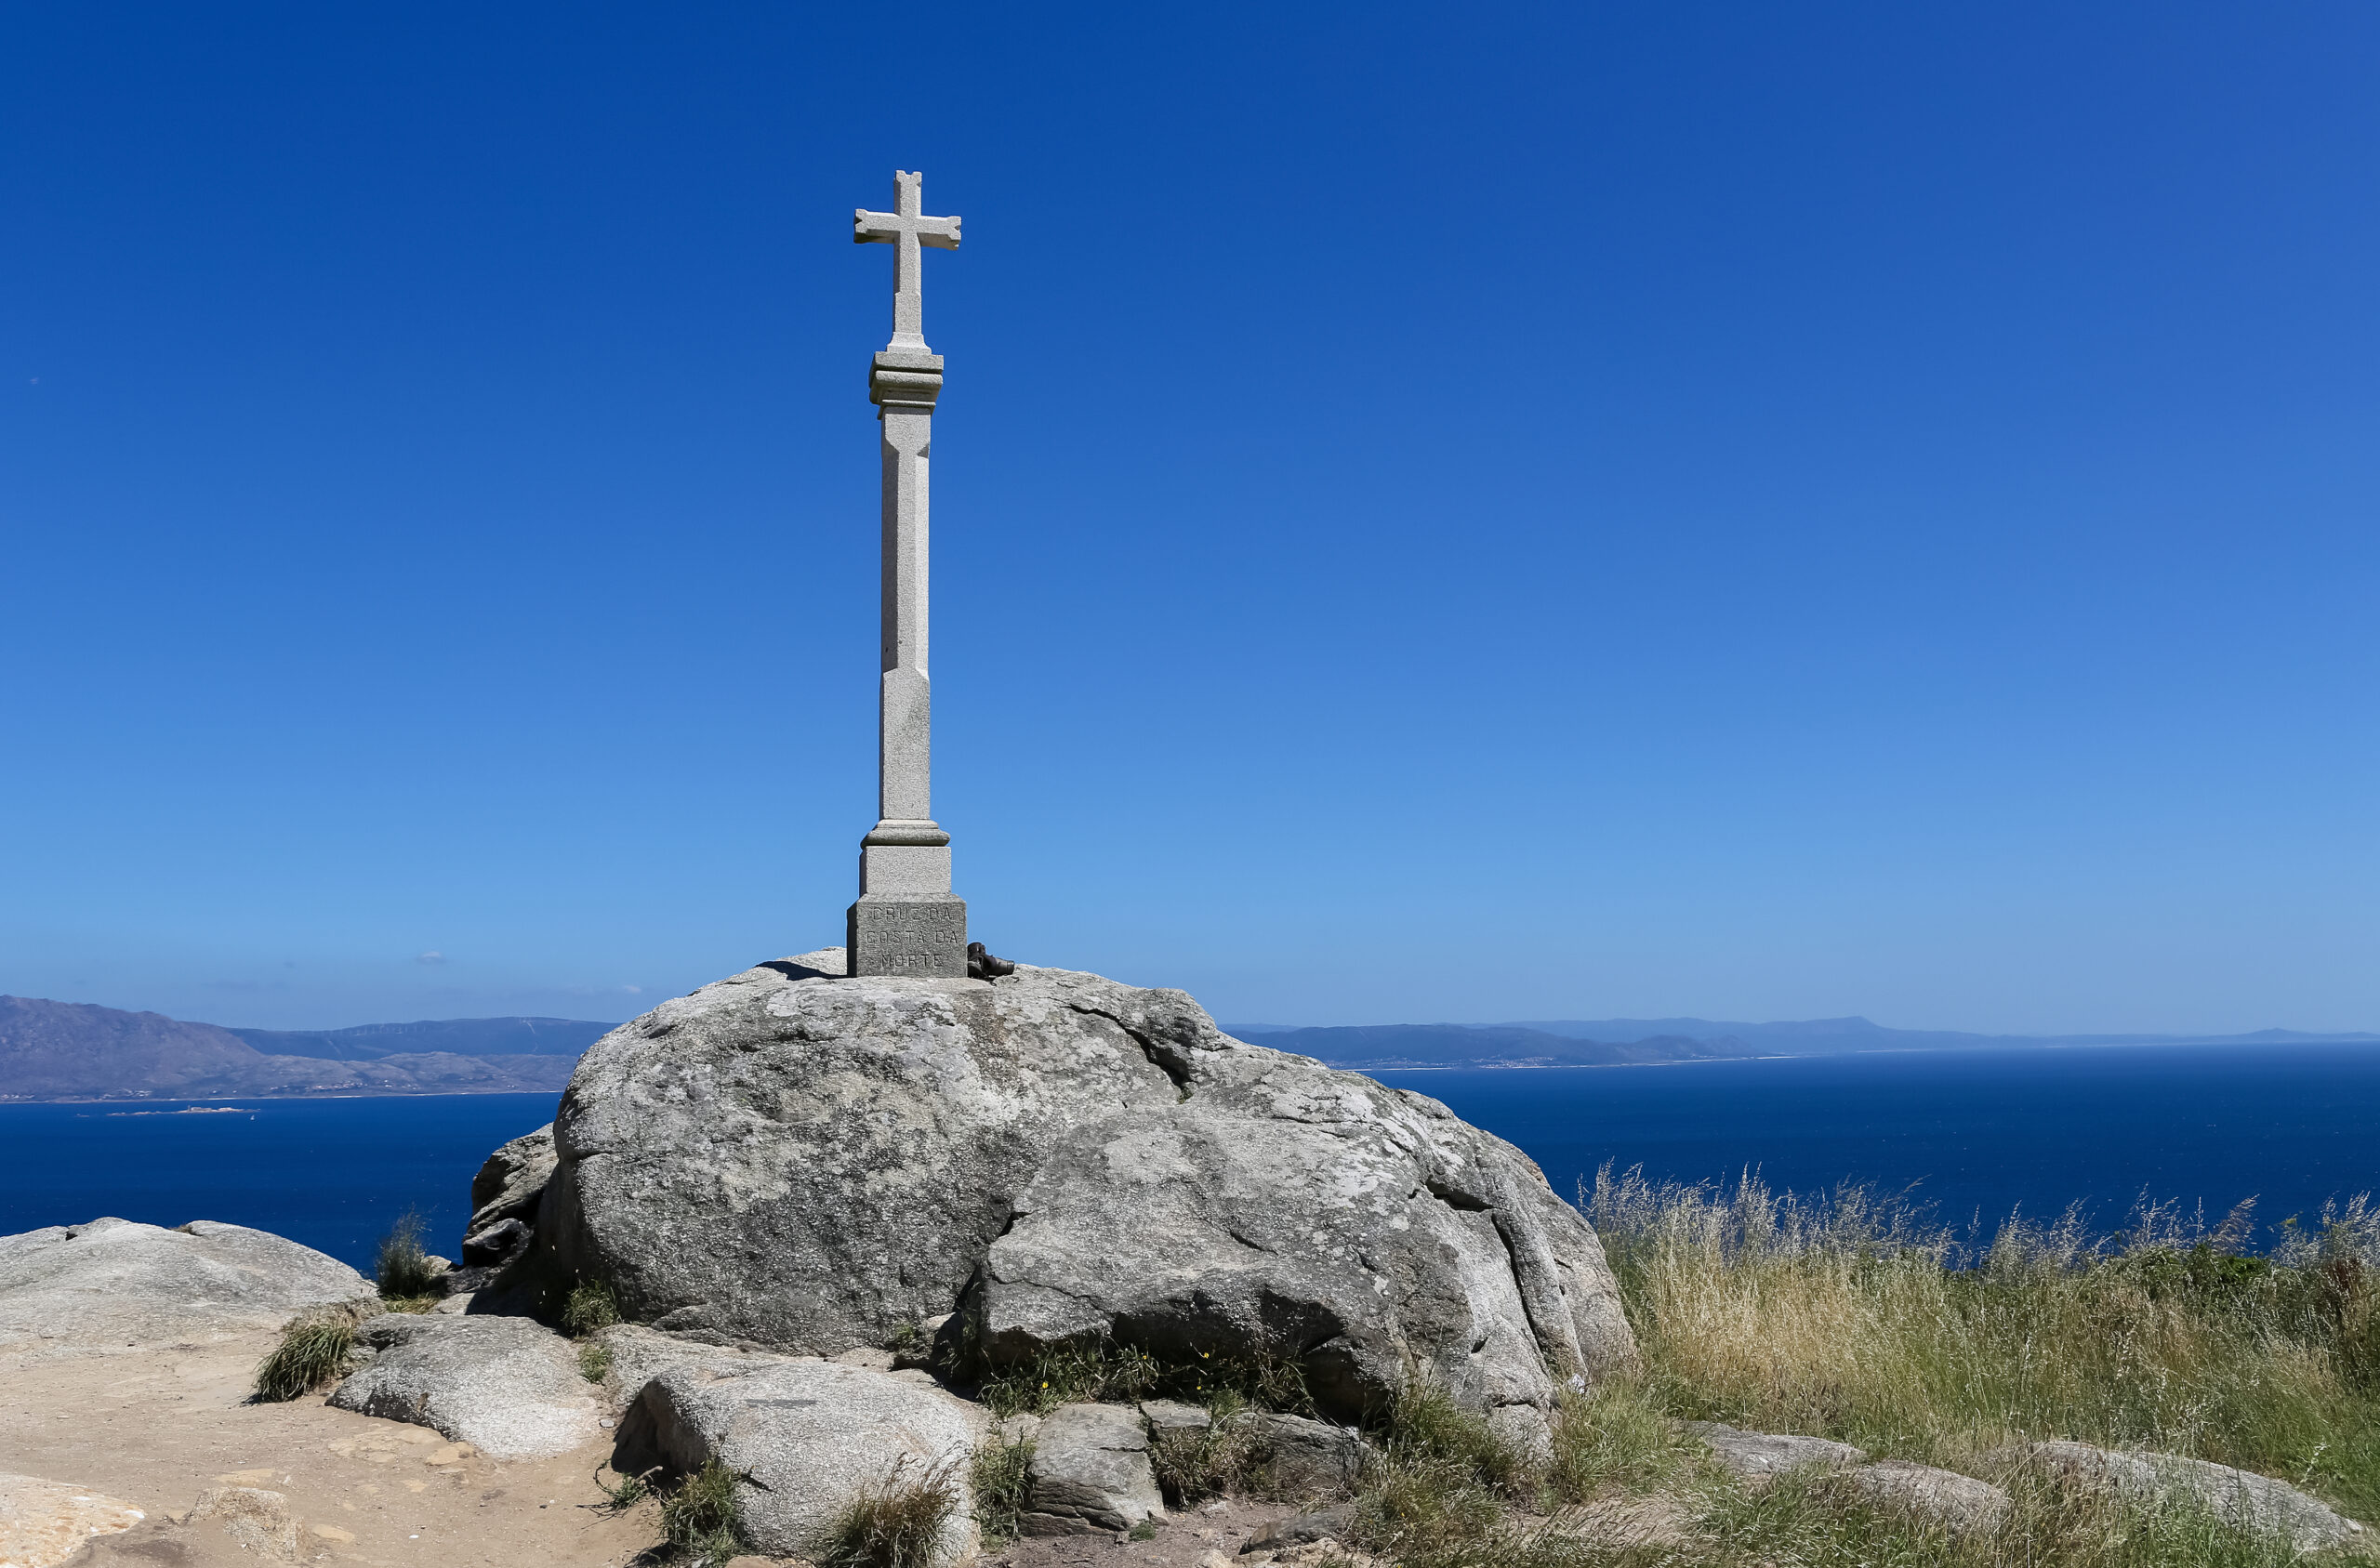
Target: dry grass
[
  {"x": 899, "y": 1522},
  {"x": 1853, "y": 1318},
  {"x": 405, "y": 1272},
  {"x": 312, "y": 1352},
  {"x": 590, "y": 1305}
]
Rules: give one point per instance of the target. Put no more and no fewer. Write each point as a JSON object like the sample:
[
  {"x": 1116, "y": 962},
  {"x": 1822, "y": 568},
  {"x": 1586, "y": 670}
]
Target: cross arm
[{"x": 885, "y": 228}]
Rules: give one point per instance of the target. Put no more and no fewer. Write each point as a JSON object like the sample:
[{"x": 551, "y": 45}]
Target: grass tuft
[
  {"x": 405, "y": 1271},
  {"x": 1000, "y": 1477},
  {"x": 702, "y": 1517},
  {"x": 1194, "y": 1464},
  {"x": 1099, "y": 1370},
  {"x": 594, "y": 1362},
  {"x": 312, "y": 1351},
  {"x": 896, "y": 1523},
  {"x": 591, "y": 1305}
]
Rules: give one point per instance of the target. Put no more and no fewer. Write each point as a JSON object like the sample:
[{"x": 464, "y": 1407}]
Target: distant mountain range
[
  {"x": 74, "y": 1051},
  {"x": 1605, "y": 1042}
]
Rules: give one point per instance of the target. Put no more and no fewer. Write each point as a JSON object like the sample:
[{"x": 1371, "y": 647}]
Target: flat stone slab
[
  {"x": 2239, "y": 1498},
  {"x": 810, "y": 1435},
  {"x": 1757, "y": 1455},
  {"x": 1091, "y": 1472},
  {"x": 508, "y": 1386},
  {"x": 113, "y": 1284},
  {"x": 44, "y": 1523},
  {"x": 1946, "y": 1497}
]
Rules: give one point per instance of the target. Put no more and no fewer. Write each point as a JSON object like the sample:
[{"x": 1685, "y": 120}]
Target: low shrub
[
  {"x": 1000, "y": 1477},
  {"x": 594, "y": 1362},
  {"x": 702, "y": 1517},
  {"x": 312, "y": 1351},
  {"x": 591, "y": 1305},
  {"x": 898, "y": 1522},
  {"x": 405, "y": 1272}
]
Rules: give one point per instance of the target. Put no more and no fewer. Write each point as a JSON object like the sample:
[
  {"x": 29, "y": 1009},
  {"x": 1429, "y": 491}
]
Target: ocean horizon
[{"x": 1975, "y": 1135}]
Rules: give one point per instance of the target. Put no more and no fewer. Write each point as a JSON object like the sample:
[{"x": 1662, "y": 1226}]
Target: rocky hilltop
[{"x": 812, "y": 1163}]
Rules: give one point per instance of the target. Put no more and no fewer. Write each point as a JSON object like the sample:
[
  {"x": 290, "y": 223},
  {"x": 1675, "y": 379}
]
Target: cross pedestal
[{"x": 907, "y": 921}]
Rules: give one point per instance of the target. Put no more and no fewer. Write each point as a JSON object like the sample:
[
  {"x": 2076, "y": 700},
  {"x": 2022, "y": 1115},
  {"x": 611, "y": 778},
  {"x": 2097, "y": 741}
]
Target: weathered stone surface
[
  {"x": 810, "y": 1435},
  {"x": 1757, "y": 1455},
  {"x": 815, "y": 1162},
  {"x": 1524, "y": 1429},
  {"x": 113, "y": 1284},
  {"x": 1945, "y": 1497},
  {"x": 640, "y": 1354},
  {"x": 1091, "y": 1472},
  {"x": 1173, "y": 1415},
  {"x": 258, "y": 1519},
  {"x": 1303, "y": 1458},
  {"x": 510, "y": 1387},
  {"x": 44, "y": 1523},
  {"x": 1301, "y": 1529},
  {"x": 2241, "y": 1499}
]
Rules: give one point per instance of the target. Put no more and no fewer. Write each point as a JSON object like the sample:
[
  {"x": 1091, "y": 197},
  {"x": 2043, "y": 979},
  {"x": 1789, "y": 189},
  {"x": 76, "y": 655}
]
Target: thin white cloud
[{"x": 432, "y": 956}]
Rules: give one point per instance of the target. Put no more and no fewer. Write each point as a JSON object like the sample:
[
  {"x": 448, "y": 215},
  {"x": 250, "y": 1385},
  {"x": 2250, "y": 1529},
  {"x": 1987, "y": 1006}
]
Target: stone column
[{"x": 907, "y": 921}]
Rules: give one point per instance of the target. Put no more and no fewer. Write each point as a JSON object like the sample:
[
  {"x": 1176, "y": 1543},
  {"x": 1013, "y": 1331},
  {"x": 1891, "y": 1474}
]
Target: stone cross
[{"x": 907, "y": 921}]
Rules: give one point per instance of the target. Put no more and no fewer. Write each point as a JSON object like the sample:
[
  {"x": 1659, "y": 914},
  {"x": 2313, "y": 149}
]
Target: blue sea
[{"x": 1979, "y": 1134}]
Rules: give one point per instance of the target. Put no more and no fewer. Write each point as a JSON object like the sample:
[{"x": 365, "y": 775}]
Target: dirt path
[{"x": 156, "y": 1427}]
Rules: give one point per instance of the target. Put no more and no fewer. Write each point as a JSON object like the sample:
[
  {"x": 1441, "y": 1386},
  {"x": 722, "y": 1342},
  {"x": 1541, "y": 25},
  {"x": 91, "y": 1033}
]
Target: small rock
[
  {"x": 332, "y": 1533},
  {"x": 1523, "y": 1428},
  {"x": 1173, "y": 1415},
  {"x": 1321, "y": 1524},
  {"x": 1305, "y": 1458},
  {"x": 1944, "y": 1497},
  {"x": 2237, "y": 1497},
  {"x": 252, "y": 1516},
  {"x": 456, "y": 1306},
  {"x": 1214, "y": 1560},
  {"x": 1091, "y": 1472},
  {"x": 808, "y": 1436},
  {"x": 1010, "y": 1430},
  {"x": 1758, "y": 1455},
  {"x": 510, "y": 1387}
]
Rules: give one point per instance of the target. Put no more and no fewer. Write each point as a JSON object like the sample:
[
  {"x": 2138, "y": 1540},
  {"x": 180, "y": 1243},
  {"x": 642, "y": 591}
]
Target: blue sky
[{"x": 1454, "y": 513}]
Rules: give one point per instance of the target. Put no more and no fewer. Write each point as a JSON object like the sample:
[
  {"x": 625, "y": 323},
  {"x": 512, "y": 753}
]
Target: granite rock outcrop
[{"x": 811, "y": 1163}]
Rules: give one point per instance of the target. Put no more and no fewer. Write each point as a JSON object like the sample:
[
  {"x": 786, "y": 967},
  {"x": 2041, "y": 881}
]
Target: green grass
[
  {"x": 594, "y": 1362},
  {"x": 1000, "y": 1478},
  {"x": 701, "y": 1516},
  {"x": 898, "y": 1522},
  {"x": 1099, "y": 1370},
  {"x": 405, "y": 1272},
  {"x": 591, "y": 1305},
  {"x": 312, "y": 1351}
]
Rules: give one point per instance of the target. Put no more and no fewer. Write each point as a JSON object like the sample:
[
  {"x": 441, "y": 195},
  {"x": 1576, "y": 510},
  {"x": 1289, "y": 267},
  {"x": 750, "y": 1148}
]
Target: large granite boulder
[
  {"x": 508, "y": 1386},
  {"x": 815, "y": 1163},
  {"x": 806, "y": 1438},
  {"x": 113, "y": 1284}
]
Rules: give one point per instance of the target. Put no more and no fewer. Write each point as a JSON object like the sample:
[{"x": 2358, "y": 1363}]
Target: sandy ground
[{"x": 157, "y": 1427}]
